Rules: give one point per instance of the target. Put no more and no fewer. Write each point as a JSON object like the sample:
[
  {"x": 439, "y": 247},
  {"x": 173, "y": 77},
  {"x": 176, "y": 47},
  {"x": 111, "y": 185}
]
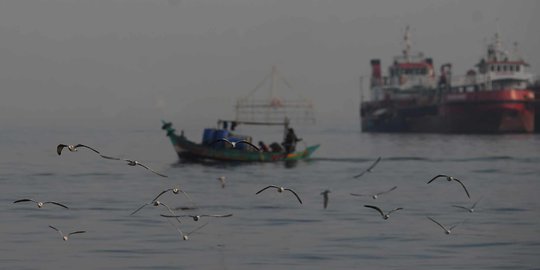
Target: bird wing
[
  {"x": 144, "y": 166},
  {"x": 369, "y": 168},
  {"x": 461, "y": 183},
  {"x": 270, "y": 186},
  {"x": 161, "y": 193},
  {"x": 176, "y": 227},
  {"x": 376, "y": 208},
  {"x": 59, "y": 231},
  {"x": 170, "y": 211},
  {"x": 129, "y": 161},
  {"x": 374, "y": 164},
  {"x": 198, "y": 228},
  {"x": 360, "y": 175},
  {"x": 59, "y": 204},
  {"x": 59, "y": 148},
  {"x": 174, "y": 216},
  {"x": 358, "y": 195},
  {"x": 298, "y": 197},
  {"x": 440, "y": 175},
  {"x": 86, "y": 146},
  {"x": 387, "y": 190},
  {"x": 24, "y": 200},
  {"x": 138, "y": 209},
  {"x": 108, "y": 157},
  {"x": 227, "y": 215},
  {"x": 455, "y": 225},
  {"x": 222, "y": 140},
  {"x": 76, "y": 232},
  {"x": 252, "y": 145},
  {"x": 462, "y": 207},
  {"x": 451, "y": 228},
  {"x": 474, "y": 205},
  {"x": 187, "y": 196},
  {"x": 392, "y": 211},
  {"x": 444, "y": 228}
]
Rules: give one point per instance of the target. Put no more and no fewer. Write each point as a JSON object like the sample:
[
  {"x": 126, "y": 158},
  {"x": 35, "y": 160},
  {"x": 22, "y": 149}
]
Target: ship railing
[
  {"x": 488, "y": 79},
  {"x": 404, "y": 83}
]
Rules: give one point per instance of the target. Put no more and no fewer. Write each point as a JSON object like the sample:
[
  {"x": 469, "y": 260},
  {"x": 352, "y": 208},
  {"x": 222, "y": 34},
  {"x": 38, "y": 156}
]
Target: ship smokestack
[{"x": 376, "y": 74}]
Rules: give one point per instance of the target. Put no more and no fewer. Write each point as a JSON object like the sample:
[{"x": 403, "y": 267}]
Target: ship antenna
[
  {"x": 407, "y": 41},
  {"x": 516, "y": 53}
]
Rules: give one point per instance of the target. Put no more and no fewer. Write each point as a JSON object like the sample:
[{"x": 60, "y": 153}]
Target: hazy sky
[{"x": 106, "y": 60}]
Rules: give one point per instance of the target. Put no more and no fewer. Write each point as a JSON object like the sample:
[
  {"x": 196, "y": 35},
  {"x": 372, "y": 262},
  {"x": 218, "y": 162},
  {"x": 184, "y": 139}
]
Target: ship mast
[{"x": 407, "y": 41}]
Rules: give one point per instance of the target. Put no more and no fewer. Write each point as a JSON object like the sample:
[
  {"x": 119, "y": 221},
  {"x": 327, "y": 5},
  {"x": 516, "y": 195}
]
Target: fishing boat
[
  {"x": 210, "y": 149},
  {"x": 493, "y": 98}
]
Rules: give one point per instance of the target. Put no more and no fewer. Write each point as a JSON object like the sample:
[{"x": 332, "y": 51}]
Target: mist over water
[
  {"x": 104, "y": 73},
  {"x": 271, "y": 229}
]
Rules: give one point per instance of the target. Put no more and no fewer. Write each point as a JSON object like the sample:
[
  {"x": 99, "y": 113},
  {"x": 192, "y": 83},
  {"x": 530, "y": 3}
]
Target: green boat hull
[{"x": 188, "y": 150}]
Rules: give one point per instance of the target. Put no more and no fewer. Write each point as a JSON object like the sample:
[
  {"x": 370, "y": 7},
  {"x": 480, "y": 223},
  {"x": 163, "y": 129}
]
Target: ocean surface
[{"x": 270, "y": 230}]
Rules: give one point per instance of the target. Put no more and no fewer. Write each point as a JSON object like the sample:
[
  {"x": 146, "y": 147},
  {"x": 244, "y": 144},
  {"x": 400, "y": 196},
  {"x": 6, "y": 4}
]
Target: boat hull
[
  {"x": 190, "y": 151},
  {"x": 489, "y": 112}
]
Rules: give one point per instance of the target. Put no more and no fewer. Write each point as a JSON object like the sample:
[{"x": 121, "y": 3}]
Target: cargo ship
[{"x": 493, "y": 98}]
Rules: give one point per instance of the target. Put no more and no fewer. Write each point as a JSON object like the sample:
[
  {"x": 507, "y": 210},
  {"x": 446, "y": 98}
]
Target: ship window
[
  {"x": 498, "y": 68},
  {"x": 517, "y": 68},
  {"x": 492, "y": 68},
  {"x": 504, "y": 68},
  {"x": 511, "y": 68}
]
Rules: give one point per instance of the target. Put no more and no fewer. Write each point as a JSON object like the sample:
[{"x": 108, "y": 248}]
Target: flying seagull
[
  {"x": 185, "y": 236},
  {"x": 446, "y": 230},
  {"x": 280, "y": 189},
  {"x": 40, "y": 204},
  {"x": 195, "y": 217},
  {"x": 325, "y": 196},
  {"x": 135, "y": 163},
  {"x": 384, "y": 216},
  {"x": 73, "y": 148},
  {"x": 155, "y": 203},
  {"x": 65, "y": 236},
  {"x": 233, "y": 144},
  {"x": 470, "y": 209},
  {"x": 450, "y": 178},
  {"x": 376, "y": 195},
  {"x": 222, "y": 180},
  {"x": 368, "y": 169},
  {"x": 175, "y": 190}
]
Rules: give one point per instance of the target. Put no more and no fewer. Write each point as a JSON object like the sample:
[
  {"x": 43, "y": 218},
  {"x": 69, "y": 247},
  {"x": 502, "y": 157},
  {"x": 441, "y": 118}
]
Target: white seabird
[
  {"x": 384, "y": 216},
  {"x": 280, "y": 190}
]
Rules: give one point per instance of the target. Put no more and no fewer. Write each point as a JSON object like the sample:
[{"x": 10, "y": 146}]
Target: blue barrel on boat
[
  {"x": 221, "y": 134},
  {"x": 208, "y": 135}
]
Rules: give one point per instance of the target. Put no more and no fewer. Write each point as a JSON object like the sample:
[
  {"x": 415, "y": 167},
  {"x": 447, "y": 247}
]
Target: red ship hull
[
  {"x": 489, "y": 112},
  {"x": 507, "y": 111}
]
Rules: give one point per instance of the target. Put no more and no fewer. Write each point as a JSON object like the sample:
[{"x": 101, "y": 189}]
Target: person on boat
[
  {"x": 263, "y": 147},
  {"x": 276, "y": 148},
  {"x": 290, "y": 141}
]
